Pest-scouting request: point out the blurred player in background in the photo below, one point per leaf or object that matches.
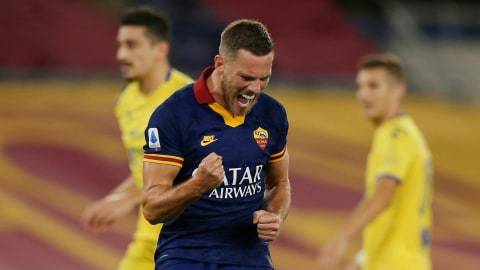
(395, 213)
(216, 164)
(143, 48)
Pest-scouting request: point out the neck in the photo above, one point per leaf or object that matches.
(154, 78)
(392, 113)
(214, 86)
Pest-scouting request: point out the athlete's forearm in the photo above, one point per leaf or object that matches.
(126, 190)
(162, 203)
(277, 199)
(369, 208)
(127, 185)
(366, 211)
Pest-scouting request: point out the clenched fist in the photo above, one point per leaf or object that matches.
(268, 224)
(210, 172)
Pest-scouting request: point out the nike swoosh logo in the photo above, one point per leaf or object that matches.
(205, 143)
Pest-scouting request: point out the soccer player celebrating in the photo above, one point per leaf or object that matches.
(395, 213)
(143, 46)
(216, 164)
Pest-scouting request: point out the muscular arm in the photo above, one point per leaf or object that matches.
(277, 199)
(163, 201)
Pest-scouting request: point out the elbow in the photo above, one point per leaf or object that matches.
(153, 213)
(150, 216)
(382, 203)
(149, 211)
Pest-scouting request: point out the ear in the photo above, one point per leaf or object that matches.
(163, 49)
(402, 90)
(218, 61)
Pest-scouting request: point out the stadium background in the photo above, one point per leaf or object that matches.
(60, 147)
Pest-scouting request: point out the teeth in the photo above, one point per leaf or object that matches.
(248, 97)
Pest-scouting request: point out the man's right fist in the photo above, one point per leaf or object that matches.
(210, 172)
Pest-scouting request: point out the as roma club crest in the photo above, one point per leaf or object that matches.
(261, 137)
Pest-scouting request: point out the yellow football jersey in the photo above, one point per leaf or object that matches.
(399, 238)
(133, 110)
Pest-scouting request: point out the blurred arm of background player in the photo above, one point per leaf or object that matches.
(277, 200)
(366, 211)
(120, 202)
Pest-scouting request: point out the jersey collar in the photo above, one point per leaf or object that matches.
(202, 95)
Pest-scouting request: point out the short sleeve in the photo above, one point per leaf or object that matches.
(163, 138)
(395, 156)
(280, 147)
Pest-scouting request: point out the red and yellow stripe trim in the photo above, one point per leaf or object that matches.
(278, 156)
(163, 159)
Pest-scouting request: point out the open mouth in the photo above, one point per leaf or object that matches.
(366, 105)
(244, 100)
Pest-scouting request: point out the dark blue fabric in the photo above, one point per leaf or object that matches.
(196, 265)
(218, 228)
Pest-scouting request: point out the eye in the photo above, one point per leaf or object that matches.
(247, 78)
(373, 85)
(264, 79)
(131, 44)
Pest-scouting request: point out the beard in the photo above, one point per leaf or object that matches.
(230, 98)
(228, 95)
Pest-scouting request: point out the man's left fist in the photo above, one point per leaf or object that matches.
(268, 224)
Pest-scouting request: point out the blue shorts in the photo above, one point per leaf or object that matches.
(178, 264)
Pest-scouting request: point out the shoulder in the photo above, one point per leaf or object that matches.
(128, 92)
(183, 96)
(397, 131)
(180, 77)
(271, 115)
(270, 107)
(176, 81)
(177, 104)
